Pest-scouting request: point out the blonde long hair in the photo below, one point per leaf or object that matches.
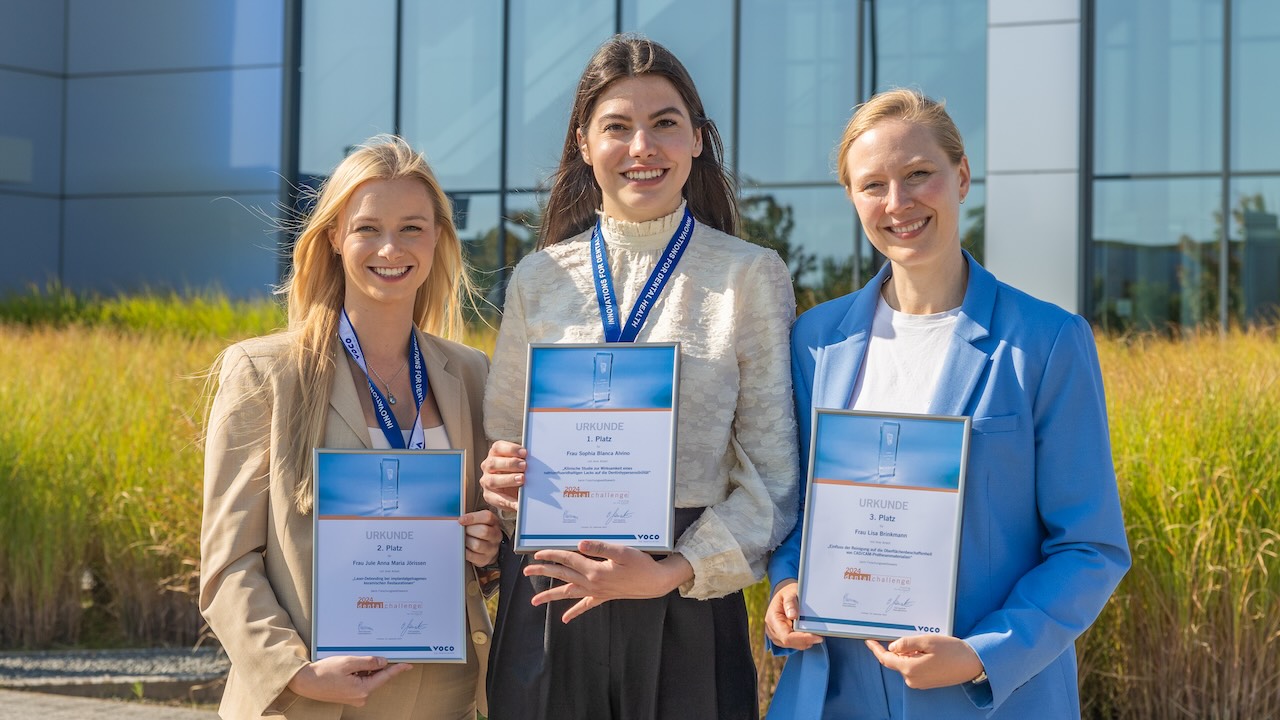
(316, 286)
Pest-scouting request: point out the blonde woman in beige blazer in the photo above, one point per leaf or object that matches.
(380, 250)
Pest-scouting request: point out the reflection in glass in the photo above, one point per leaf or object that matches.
(348, 77)
(701, 35)
(798, 87)
(1155, 253)
(551, 41)
(946, 59)
(1158, 86)
(1255, 104)
(522, 219)
(973, 222)
(812, 229)
(451, 88)
(1255, 249)
(476, 218)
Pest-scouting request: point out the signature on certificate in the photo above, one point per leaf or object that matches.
(412, 627)
(617, 515)
(898, 603)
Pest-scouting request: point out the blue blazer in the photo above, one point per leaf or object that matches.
(1043, 542)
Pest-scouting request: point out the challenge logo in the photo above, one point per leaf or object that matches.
(575, 491)
(856, 574)
(368, 602)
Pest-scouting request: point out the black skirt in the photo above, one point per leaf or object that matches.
(660, 659)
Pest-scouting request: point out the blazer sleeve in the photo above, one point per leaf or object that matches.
(1084, 551)
(236, 597)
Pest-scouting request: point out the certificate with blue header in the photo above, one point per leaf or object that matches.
(388, 565)
(600, 429)
(881, 536)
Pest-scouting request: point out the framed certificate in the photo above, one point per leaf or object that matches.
(881, 537)
(388, 566)
(600, 429)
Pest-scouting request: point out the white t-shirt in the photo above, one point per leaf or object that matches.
(904, 359)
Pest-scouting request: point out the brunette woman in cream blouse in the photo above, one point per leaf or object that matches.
(378, 260)
(611, 632)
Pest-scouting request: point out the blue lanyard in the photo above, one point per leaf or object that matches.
(606, 297)
(417, 377)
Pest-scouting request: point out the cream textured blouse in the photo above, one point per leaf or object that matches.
(730, 306)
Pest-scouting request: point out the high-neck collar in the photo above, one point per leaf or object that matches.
(647, 235)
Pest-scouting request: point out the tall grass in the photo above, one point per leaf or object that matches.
(100, 467)
(100, 477)
(1194, 629)
(99, 485)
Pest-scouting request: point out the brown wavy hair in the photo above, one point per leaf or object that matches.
(575, 196)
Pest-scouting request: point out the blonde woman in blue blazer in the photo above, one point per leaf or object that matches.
(1043, 543)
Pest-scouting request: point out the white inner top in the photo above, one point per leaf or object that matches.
(435, 437)
(904, 359)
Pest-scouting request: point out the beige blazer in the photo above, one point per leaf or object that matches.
(255, 547)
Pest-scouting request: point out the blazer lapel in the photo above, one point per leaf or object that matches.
(837, 365)
(344, 400)
(447, 389)
(966, 362)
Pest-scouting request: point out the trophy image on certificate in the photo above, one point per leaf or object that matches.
(600, 428)
(388, 566)
(881, 537)
(390, 479)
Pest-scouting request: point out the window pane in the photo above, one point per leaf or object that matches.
(1255, 250)
(31, 257)
(131, 35)
(451, 88)
(32, 35)
(797, 89)
(31, 138)
(476, 219)
(551, 41)
(186, 244)
(1158, 87)
(522, 219)
(219, 132)
(1255, 104)
(946, 58)
(701, 35)
(1155, 253)
(973, 222)
(812, 229)
(348, 78)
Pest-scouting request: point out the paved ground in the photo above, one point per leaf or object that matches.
(15, 704)
(77, 684)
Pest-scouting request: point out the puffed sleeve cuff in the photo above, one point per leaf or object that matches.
(719, 566)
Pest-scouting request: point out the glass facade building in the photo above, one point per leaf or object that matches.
(1122, 151)
(1186, 164)
(485, 89)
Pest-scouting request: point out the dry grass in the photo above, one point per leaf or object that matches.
(1194, 629)
(100, 474)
